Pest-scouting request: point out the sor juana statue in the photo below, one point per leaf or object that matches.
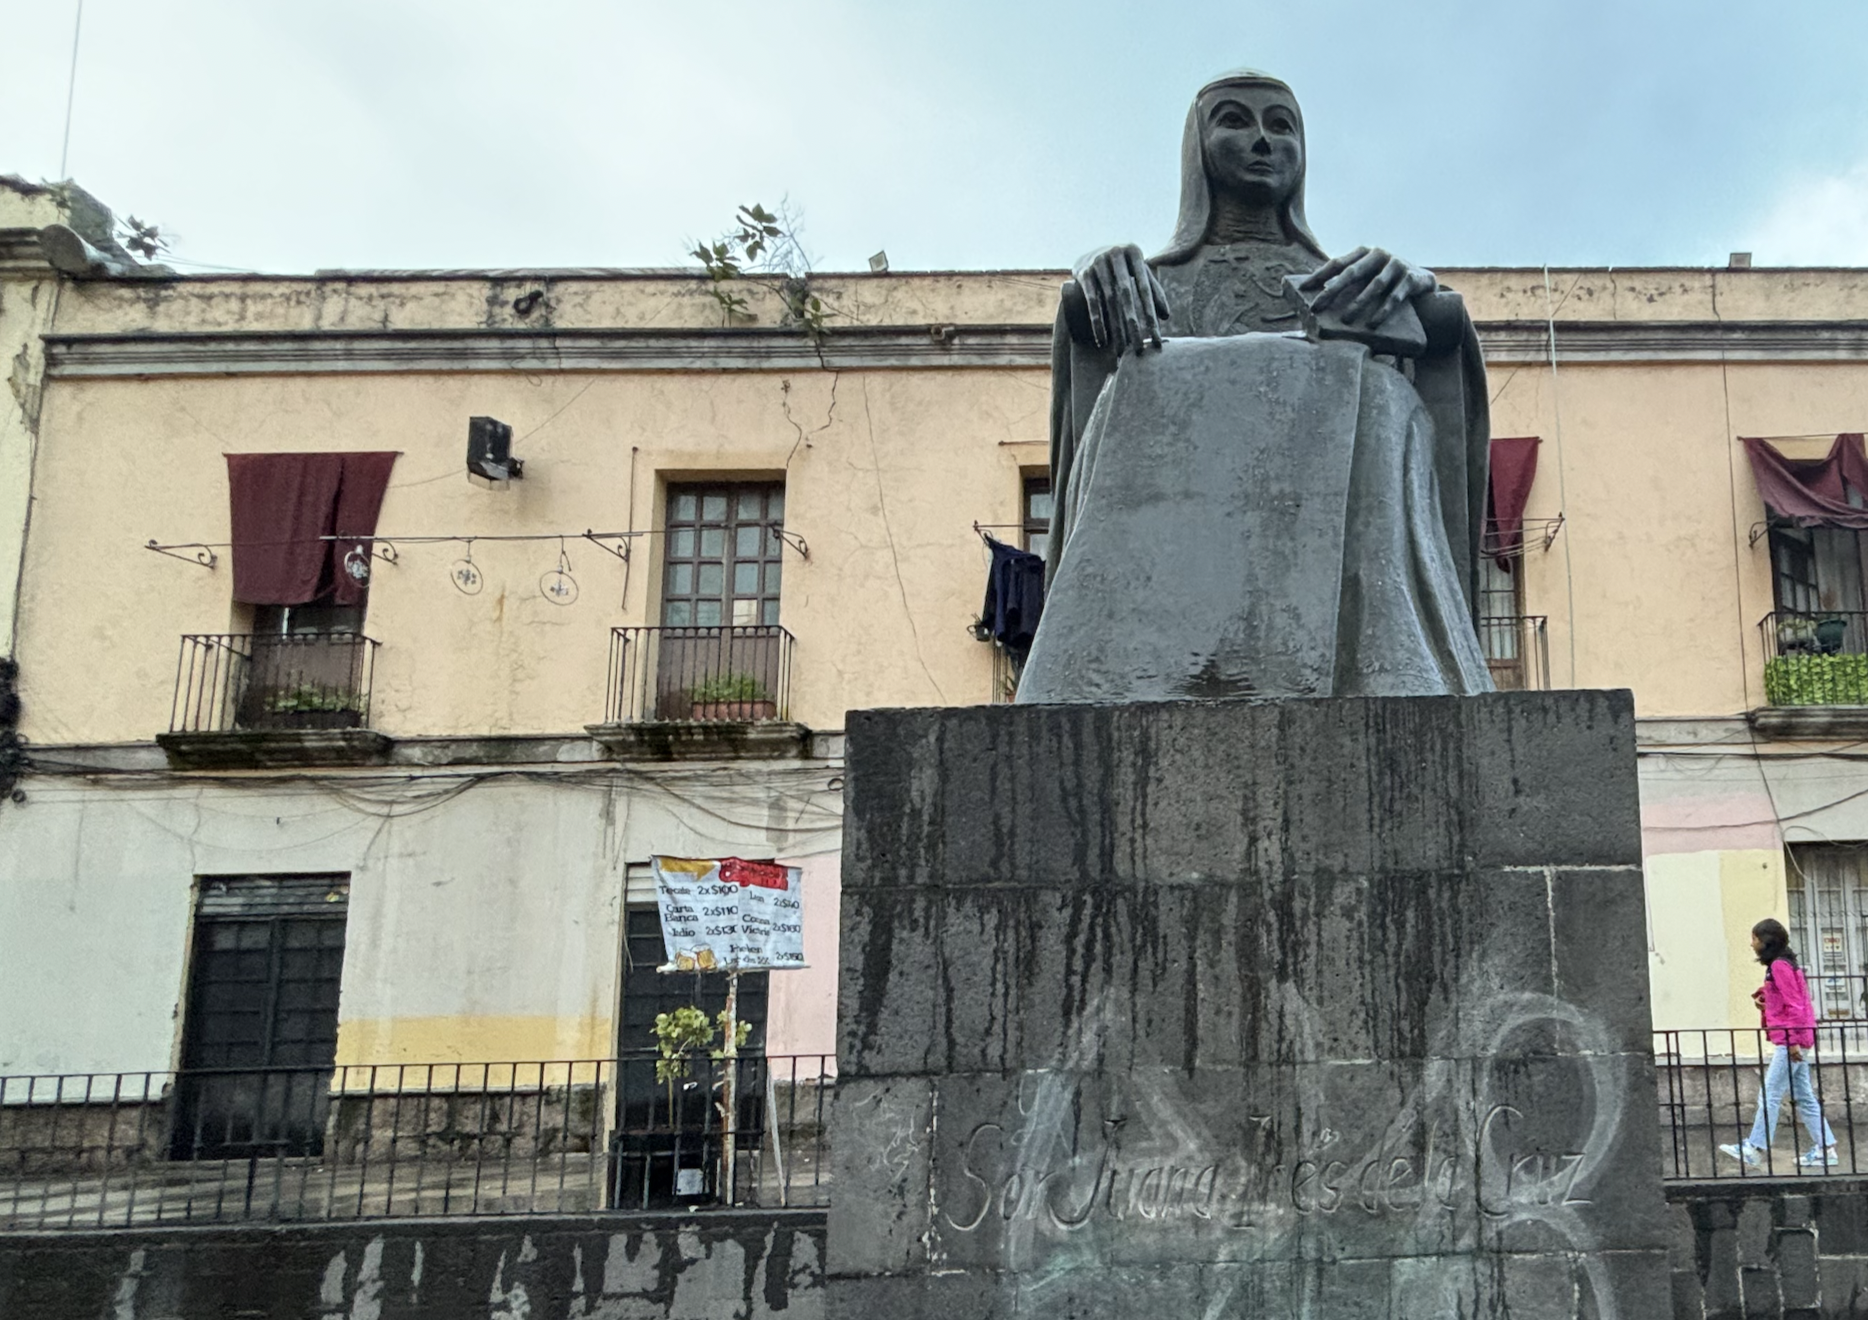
(1269, 465)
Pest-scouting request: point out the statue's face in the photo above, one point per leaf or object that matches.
(1253, 146)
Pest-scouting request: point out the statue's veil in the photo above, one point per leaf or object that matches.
(1196, 198)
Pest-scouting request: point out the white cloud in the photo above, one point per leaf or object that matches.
(1819, 221)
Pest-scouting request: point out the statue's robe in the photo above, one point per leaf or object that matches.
(1245, 512)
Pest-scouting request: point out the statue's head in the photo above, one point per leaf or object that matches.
(1251, 141)
(1245, 139)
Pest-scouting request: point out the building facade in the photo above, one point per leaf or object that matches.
(394, 804)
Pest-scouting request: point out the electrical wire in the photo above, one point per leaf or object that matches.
(71, 93)
(387, 797)
(1563, 499)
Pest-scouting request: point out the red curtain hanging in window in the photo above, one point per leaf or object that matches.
(1813, 492)
(1514, 467)
(283, 504)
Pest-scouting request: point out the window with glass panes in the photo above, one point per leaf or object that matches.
(723, 555)
(1037, 520)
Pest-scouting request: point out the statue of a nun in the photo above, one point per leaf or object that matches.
(1269, 467)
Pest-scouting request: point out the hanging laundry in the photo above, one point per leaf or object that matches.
(1014, 598)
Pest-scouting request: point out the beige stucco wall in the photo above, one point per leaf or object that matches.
(884, 493)
(1651, 584)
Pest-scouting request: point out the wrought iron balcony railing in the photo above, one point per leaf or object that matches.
(1517, 651)
(699, 675)
(1815, 659)
(229, 681)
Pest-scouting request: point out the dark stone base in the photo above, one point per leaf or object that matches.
(760, 1266)
(1770, 1248)
(1327, 1009)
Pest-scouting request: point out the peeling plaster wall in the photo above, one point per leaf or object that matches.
(28, 299)
(762, 1266)
(483, 918)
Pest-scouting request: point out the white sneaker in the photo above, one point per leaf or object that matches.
(1818, 1158)
(1744, 1152)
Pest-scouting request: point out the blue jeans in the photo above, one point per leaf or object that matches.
(1784, 1075)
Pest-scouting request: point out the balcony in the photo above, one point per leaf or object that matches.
(1517, 651)
(1815, 674)
(1815, 659)
(246, 700)
(691, 692)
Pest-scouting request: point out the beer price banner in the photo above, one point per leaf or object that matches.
(727, 914)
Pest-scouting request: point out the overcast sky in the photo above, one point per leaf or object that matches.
(969, 133)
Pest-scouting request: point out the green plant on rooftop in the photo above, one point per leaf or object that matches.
(763, 249)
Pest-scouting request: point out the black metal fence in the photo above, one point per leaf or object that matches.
(105, 1150)
(1711, 1085)
(231, 681)
(1517, 651)
(1815, 659)
(1841, 997)
(699, 675)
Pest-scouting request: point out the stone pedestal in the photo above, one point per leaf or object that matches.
(1331, 1009)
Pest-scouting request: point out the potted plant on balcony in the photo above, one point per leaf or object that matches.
(308, 706)
(731, 697)
(1796, 634)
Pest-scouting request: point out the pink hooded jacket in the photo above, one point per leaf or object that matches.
(1789, 1016)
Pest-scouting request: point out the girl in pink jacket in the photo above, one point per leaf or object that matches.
(1790, 1025)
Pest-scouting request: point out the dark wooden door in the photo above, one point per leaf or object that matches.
(666, 1129)
(260, 1032)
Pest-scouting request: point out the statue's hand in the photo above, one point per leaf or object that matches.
(1369, 284)
(1124, 300)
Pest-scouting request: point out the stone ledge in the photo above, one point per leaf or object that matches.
(271, 749)
(887, 347)
(1766, 1185)
(724, 740)
(1814, 723)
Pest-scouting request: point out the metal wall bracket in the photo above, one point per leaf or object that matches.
(202, 555)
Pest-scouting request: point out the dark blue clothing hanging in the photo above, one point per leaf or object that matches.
(1014, 598)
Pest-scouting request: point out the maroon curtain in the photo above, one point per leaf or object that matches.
(359, 499)
(283, 504)
(1514, 467)
(1813, 492)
